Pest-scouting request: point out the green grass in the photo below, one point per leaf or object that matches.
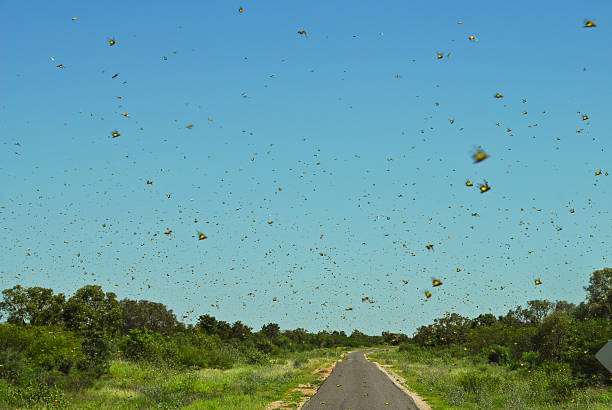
(447, 382)
(144, 386)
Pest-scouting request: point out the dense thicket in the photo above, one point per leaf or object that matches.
(541, 334)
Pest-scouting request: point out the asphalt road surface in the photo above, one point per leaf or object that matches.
(357, 384)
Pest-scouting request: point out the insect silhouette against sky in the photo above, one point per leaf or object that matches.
(484, 187)
(479, 156)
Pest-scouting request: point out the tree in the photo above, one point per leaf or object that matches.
(147, 315)
(271, 330)
(484, 320)
(207, 324)
(512, 318)
(297, 336)
(224, 330)
(240, 331)
(587, 337)
(389, 338)
(358, 335)
(211, 326)
(92, 309)
(533, 315)
(35, 305)
(565, 307)
(537, 310)
(600, 294)
(452, 328)
(552, 336)
(337, 338)
(96, 316)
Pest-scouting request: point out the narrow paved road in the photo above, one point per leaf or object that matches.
(357, 384)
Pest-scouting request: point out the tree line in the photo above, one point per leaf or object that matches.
(53, 340)
(64, 341)
(543, 334)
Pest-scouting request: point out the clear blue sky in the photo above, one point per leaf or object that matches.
(342, 139)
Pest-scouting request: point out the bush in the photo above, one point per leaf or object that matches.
(186, 350)
(529, 359)
(46, 355)
(97, 350)
(561, 383)
(13, 365)
(498, 354)
(190, 356)
(588, 336)
(220, 360)
(254, 356)
(142, 345)
(303, 347)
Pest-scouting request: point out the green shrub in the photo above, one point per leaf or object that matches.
(45, 347)
(13, 365)
(303, 347)
(587, 337)
(265, 346)
(560, 382)
(46, 355)
(142, 345)
(498, 354)
(254, 356)
(529, 359)
(189, 356)
(221, 358)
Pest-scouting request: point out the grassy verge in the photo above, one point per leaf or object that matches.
(448, 382)
(141, 385)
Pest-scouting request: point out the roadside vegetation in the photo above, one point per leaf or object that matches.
(145, 385)
(92, 351)
(538, 356)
